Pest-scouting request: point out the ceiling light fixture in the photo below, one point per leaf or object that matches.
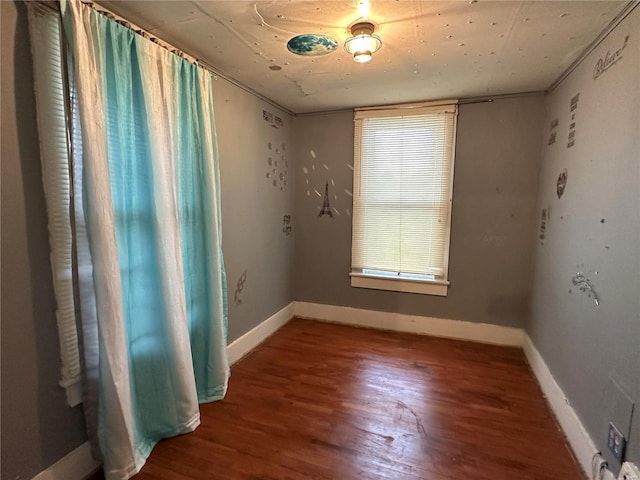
(363, 43)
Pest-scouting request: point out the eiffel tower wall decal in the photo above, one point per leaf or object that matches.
(326, 206)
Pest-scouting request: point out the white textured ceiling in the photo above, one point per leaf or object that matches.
(431, 50)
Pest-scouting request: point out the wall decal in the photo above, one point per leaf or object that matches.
(552, 134)
(326, 206)
(267, 116)
(546, 214)
(336, 199)
(572, 126)
(277, 167)
(584, 284)
(609, 60)
(561, 184)
(312, 44)
(286, 225)
(237, 297)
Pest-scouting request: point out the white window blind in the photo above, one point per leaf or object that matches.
(403, 171)
(44, 26)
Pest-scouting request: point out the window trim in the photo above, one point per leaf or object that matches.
(440, 285)
(52, 115)
(436, 287)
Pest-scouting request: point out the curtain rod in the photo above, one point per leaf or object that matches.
(140, 31)
(181, 53)
(462, 101)
(217, 73)
(410, 105)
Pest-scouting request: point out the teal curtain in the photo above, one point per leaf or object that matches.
(148, 168)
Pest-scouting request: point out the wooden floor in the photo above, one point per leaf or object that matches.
(322, 401)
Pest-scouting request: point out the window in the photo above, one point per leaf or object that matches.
(403, 182)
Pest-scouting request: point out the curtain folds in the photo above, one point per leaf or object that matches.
(154, 295)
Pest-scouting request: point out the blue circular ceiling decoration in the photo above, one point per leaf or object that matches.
(312, 44)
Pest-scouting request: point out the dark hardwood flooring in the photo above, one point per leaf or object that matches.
(322, 401)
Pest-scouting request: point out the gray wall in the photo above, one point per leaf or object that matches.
(594, 228)
(38, 427)
(493, 217)
(592, 351)
(253, 207)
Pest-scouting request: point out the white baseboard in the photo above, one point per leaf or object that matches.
(78, 465)
(437, 327)
(254, 337)
(577, 436)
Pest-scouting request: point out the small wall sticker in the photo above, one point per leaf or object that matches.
(237, 297)
(286, 225)
(610, 59)
(561, 183)
(546, 214)
(326, 206)
(277, 166)
(571, 140)
(584, 285)
(552, 131)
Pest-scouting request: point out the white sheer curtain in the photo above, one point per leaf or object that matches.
(154, 293)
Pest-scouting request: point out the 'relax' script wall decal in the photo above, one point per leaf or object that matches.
(609, 60)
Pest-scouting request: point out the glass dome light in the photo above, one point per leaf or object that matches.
(362, 44)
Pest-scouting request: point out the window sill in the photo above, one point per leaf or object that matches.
(425, 287)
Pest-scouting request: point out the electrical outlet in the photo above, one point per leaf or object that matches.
(616, 442)
(629, 472)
